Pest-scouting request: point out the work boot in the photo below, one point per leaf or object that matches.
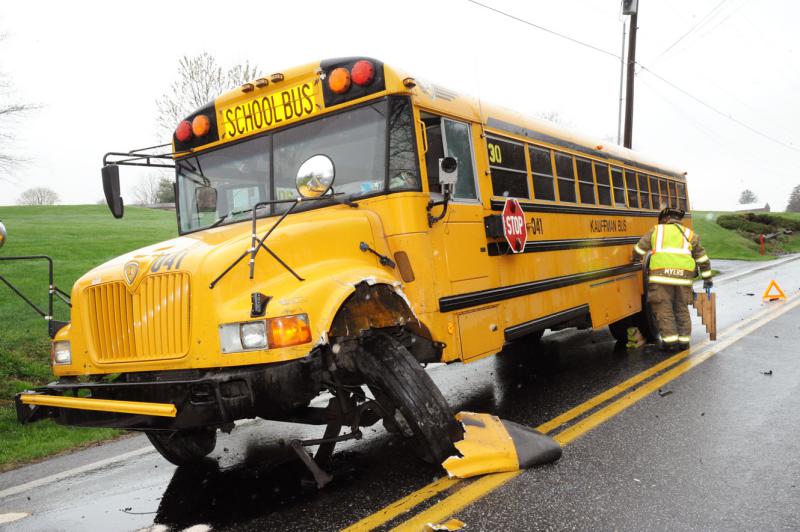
(683, 346)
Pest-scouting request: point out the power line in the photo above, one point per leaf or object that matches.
(557, 34)
(721, 113)
(649, 71)
(707, 18)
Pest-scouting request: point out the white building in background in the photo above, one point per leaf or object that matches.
(752, 207)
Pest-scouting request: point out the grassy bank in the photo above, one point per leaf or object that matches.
(723, 243)
(78, 238)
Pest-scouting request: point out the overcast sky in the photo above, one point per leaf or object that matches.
(96, 71)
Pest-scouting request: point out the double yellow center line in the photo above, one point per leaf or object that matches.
(660, 375)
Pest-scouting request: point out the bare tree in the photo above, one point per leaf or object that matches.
(199, 80)
(146, 192)
(38, 196)
(10, 111)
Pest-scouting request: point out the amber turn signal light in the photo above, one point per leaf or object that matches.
(201, 125)
(288, 330)
(339, 80)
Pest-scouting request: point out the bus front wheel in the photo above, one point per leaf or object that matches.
(411, 401)
(183, 447)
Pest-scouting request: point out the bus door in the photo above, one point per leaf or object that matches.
(459, 239)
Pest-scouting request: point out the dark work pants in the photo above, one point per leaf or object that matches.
(670, 306)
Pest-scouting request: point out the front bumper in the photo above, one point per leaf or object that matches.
(176, 400)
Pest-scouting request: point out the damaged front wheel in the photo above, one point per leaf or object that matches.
(183, 447)
(409, 398)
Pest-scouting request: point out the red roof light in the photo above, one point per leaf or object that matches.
(363, 72)
(184, 131)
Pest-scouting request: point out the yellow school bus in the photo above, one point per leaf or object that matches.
(341, 223)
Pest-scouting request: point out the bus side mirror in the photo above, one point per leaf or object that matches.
(111, 189)
(448, 173)
(3, 234)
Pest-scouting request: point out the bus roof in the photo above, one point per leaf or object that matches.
(496, 119)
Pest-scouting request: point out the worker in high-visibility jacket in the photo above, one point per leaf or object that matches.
(677, 253)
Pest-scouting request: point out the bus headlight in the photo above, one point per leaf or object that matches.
(253, 335)
(243, 336)
(283, 331)
(62, 353)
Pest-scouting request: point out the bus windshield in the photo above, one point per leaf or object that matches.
(222, 186)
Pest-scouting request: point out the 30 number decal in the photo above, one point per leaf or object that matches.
(495, 154)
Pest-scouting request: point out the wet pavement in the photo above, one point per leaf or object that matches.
(719, 452)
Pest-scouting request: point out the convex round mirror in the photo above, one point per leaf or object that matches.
(315, 176)
(3, 234)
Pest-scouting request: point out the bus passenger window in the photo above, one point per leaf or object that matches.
(655, 201)
(664, 196)
(603, 185)
(619, 186)
(566, 177)
(402, 155)
(585, 180)
(507, 166)
(645, 195)
(542, 170)
(458, 144)
(633, 192)
(673, 198)
(682, 196)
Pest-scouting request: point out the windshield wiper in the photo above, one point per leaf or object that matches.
(226, 216)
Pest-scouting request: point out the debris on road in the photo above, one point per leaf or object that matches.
(450, 524)
(493, 445)
(664, 393)
(13, 516)
(635, 338)
(768, 372)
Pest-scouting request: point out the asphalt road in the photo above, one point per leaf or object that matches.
(717, 448)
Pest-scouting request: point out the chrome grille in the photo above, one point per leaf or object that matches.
(151, 323)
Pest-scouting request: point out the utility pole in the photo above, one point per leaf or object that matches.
(621, 77)
(630, 7)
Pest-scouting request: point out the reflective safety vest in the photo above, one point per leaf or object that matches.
(672, 250)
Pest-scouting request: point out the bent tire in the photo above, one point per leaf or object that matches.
(401, 386)
(184, 447)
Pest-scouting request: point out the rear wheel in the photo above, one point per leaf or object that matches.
(412, 403)
(184, 447)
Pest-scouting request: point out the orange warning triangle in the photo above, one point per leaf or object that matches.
(773, 297)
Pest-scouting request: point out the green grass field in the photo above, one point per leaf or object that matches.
(78, 238)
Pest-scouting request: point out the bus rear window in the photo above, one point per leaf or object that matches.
(682, 196)
(585, 181)
(507, 165)
(645, 195)
(542, 169)
(603, 184)
(619, 186)
(633, 192)
(566, 177)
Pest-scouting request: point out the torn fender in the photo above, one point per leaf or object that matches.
(494, 445)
